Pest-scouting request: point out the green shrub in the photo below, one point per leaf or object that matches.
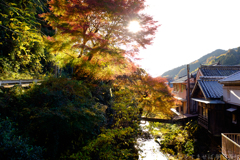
(175, 139)
(111, 144)
(13, 146)
(61, 115)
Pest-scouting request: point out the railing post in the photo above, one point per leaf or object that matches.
(230, 145)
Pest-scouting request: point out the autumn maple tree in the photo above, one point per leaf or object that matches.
(96, 114)
(151, 95)
(93, 36)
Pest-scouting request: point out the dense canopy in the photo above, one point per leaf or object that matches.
(93, 114)
(94, 35)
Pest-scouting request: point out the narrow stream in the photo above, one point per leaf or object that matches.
(151, 150)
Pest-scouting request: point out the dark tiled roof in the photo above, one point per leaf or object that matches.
(219, 70)
(211, 88)
(213, 77)
(232, 78)
(194, 74)
(180, 80)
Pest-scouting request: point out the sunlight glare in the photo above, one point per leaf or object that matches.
(134, 26)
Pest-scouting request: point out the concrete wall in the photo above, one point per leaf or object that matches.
(231, 94)
(179, 93)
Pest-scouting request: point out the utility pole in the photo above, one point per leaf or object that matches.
(188, 90)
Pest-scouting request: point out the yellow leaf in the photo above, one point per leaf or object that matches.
(13, 4)
(12, 25)
(4, 15)
(11, 13)
(13, 19)
(23, 48)
(27, 28)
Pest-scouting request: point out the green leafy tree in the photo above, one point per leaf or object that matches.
(112, 144)
(60, 115)
(231, 57)
(68, 118)
(175, 139)
(22, 50)
(14, 146)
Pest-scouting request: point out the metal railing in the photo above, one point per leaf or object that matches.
(203, 121)
(23, 83)
(231, 145)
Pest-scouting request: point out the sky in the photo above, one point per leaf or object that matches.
(189, 30)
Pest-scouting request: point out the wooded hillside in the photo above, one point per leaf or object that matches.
(230, 57)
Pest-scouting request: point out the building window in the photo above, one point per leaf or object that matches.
(205, 112)
(175, 87)
(182, 88)
(234, 118)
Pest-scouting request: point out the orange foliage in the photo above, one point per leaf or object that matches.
(153, 94)
(89, 34)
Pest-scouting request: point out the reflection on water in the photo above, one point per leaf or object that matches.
(151, 150)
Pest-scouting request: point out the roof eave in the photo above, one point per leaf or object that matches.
(209, 101)
(229, 82)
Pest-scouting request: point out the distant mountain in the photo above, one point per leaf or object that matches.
(230, 57)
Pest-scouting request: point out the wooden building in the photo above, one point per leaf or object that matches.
(231, 95)
(208, 94)
(180, 92)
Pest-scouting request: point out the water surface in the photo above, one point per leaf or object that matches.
(151, 150)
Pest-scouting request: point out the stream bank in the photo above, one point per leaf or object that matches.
(150, 149)
(189, 141)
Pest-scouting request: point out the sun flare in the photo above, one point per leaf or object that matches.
(134, 26)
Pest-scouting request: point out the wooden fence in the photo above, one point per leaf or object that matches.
(231, 145)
